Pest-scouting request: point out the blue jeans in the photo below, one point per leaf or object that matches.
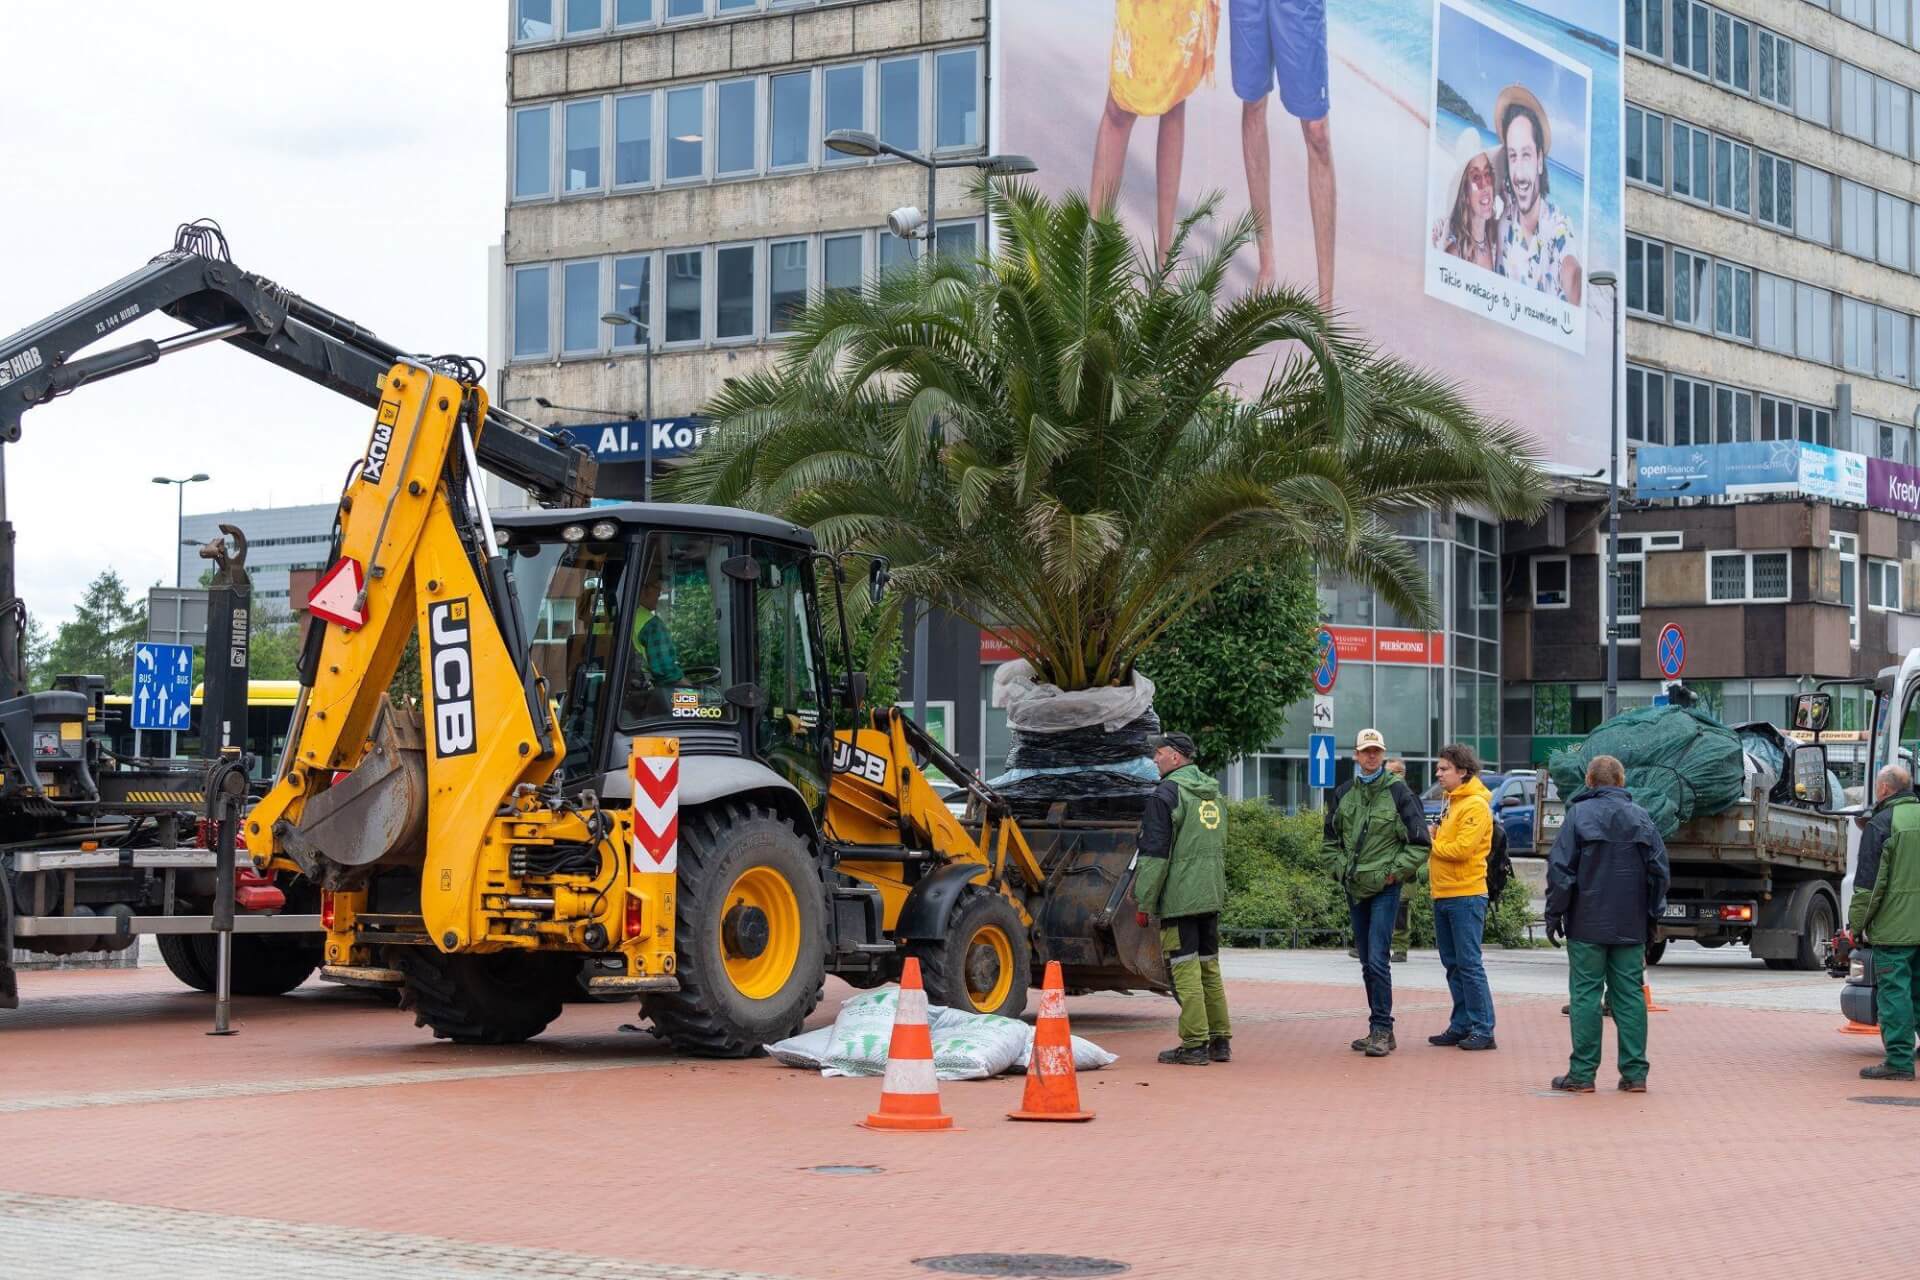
(1457, 926)
(1373, 939)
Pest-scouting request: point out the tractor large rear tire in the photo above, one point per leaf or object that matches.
(502, 997)
(983, 965)
(750, 934)
(263, 965)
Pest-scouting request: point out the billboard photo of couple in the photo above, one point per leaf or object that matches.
(1507, 177)
(1408, 160)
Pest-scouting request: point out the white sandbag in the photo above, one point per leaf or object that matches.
(978, 1046)
(863, 1030)
(1035, 707)
(808, 1049)
(1087, 1056)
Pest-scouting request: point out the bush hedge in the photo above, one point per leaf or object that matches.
(1276, 879)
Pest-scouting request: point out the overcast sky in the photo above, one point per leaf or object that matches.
(352, 151)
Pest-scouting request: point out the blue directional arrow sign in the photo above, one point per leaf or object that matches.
(1320, 760)
(162, 686)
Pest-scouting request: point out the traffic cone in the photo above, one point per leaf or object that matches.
(1859, 1029)
(1647, 992)
(1053, 1092)
(910, 1094)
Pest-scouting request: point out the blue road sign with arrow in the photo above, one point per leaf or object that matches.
(162, 686)
(1320, 760)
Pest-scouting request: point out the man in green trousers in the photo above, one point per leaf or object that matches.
(1606, 885)
(1181, 877)
(1885, 915)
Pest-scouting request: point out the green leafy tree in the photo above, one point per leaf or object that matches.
(1227, 670)
(35, 645)
(1045, 438)
(99, 638)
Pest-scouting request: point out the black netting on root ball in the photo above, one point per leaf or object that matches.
(1089, 748)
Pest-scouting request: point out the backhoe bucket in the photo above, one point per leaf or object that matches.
(1086, 916)
(376, 816)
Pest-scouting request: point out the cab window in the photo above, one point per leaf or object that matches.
(679, 662)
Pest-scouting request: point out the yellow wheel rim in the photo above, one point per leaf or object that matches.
(988, 968)
(760, 932)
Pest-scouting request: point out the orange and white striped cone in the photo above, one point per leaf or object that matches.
(1053, 1091)
(910, 1094)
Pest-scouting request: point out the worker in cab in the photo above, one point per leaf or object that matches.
(1462, 842)
(653, 648)
(1885, 915)
(1181, 879)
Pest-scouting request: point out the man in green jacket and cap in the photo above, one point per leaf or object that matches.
(1885, 915)
(1180, 876)
(1375, 841)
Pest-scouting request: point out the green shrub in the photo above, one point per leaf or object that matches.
(1506, 923)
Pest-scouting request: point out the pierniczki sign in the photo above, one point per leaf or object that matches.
(1893, 486)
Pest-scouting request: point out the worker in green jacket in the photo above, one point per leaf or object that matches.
(1887, 919)
(1180, 877)
(1374, 843)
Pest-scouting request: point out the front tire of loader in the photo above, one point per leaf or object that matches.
(502, 997)
(750, 933)
(983, 965)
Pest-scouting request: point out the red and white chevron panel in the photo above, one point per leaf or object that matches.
(656, 813)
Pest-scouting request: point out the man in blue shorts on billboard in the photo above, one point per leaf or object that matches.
(1285, 42)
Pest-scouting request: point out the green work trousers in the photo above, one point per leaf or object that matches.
(1895, 970)
(1192, 945)
(1618, 972)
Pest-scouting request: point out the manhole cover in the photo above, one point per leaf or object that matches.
(1020, 1264)
(1885, 1100)
(846, 1170)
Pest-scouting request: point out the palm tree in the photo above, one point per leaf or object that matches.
(1046, 441)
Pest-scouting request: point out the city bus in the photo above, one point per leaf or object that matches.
(270, 706)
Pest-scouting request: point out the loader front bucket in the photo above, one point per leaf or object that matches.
(1085, 917)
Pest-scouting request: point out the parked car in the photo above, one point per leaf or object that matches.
(1513, 804)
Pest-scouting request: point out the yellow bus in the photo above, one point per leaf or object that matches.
(270, 706)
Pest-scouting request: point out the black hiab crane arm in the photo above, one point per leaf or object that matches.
(196, 282)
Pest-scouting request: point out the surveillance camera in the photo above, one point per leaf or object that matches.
(906, 223)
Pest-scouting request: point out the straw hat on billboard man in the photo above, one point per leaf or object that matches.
(1518, 95)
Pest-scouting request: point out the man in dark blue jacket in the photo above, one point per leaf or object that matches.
(1606, 885)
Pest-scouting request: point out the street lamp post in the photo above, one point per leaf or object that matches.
(1610, 705)
(858, 142)
(180, 515)
(631, 316)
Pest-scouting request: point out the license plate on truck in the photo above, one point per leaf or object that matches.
(1675, 911)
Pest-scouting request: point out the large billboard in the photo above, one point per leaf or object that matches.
(1447, 173)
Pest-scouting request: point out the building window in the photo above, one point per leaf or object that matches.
(1692, 412)
(786, 284)
(1646, 277)
(629, 12)
(632, 139)
(1732, 416)
(686, 134)
(1856, 102)
(733, 127)
(633, 296)
(1856, 218)
(583, 145)
(1813, 203)
(1856, 335)
(1692, 176)
(900, 103)
(1646, 27)
(1892, 344)
(1646, 406)
(1747, 577)
(733, 292)
(1893, 230)
(1550, 583)
(1812, 323)
(1895, 443)
(1690, 273)
(841, 265)
(1733, 301)
(1848, 545)
(1813, 426)
(1813, 85)
(583, 16)
(530, 312)
(1776, 419)
(532, 152)
(1646, 147)
(1773, 61)
(1732, 176)
(1883, 586)
(580, 308)
(1691, 23)
(956, 107)
(1774, 329)
(686, 297)
(843, 102)
(957, 240)
(1890, 18)
(1773, 189)
(1890, 107)
(1731, 38)
(533, 21)
(789, 120)
(685, 9)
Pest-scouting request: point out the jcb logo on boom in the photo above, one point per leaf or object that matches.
(848, 758)
(450, 661)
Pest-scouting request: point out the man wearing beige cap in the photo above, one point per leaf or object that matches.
(1375, 840)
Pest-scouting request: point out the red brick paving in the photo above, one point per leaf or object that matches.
(1298, 1159)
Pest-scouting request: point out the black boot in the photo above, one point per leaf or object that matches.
(1186, 1055)
(1220, 1049)
(1881, 1071)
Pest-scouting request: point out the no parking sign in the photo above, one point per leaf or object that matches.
(1672, 651)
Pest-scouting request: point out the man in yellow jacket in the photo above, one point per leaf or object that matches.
(1458, 869)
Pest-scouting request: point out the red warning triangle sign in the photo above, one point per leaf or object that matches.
(333, 597)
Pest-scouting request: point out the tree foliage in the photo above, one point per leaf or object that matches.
(1226, 671)
(98, 639)
(1044, 442)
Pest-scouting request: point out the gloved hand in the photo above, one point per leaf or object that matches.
(1142, 919)
(1556, 929)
